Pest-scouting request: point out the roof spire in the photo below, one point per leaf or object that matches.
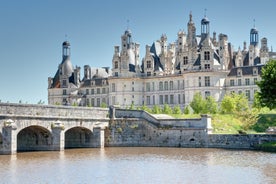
(205, 11)
(254, 21)
(191, 16)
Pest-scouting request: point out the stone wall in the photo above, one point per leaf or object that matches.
(138, 128)
(139, 132)
(52, 111)
(236, 141)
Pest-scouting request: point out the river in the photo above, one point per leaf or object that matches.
(139, 165)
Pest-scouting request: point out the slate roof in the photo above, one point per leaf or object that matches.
(246, 70)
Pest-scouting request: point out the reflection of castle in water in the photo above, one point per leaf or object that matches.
(168, 74)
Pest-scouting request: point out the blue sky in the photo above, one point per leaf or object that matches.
(32, 32)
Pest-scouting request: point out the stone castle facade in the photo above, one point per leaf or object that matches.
(169, 73)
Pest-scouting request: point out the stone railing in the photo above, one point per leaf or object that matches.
(52, 111)
(198, 123)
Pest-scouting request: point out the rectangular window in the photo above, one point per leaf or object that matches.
(92, 102)
(171, 85)
(166, 85)
(87, 102)
(64, 83)
(116, 74)
(103, 91)
(185, 60)
(247, 94)
(148, 100)
(239, 82)
(166, 99)
(98, 102)
(98, 90)
(207, 55)
(232, 82)
(87, 91)
(148, 73)
(171, 99)
(255, 81)
(199, 81)
(116, 66)
(207, 66)
(160, 86)
(113, 87)
(183, 99)
(92, 92)
(178, 85)
(207, 81)
(179, 99)
(153, 86)
(207, 94)
(153, 100)
(64, 92)
(148, 64)
(132, 88)
(161, 99)
(247, 82)
(147, 86)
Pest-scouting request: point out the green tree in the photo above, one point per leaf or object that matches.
(167, 109)
(198, 103)
(187, 110)
(267, 85)
(177, 109)
(156, 109)
(103, 105)
(233, 103)
(131, 107)
(211, 105)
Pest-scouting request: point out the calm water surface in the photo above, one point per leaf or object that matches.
(139, 165)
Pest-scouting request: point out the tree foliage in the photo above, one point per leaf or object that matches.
(156, 109)
(198, 103)
(177, 110)
(201, 105)
(267, 85)
(233, 103)
(167, 109)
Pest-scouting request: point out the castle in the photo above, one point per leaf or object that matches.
(170, 73)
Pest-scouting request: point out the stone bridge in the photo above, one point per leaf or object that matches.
(26, 127)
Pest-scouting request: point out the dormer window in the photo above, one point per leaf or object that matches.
(255, 71)
(185, 60)
(207, 55)
(116, 65)
(148, 64)
(239, 73)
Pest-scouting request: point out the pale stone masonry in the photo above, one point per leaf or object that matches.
(168, 73)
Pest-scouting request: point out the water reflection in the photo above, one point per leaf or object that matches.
(139, 165)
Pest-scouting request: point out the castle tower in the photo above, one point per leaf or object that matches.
(66, 69)
(253, 47)
(126, 62)
(205, 28)
(191, 37)
(264, 56)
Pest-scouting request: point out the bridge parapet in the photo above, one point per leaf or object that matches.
(52, 111)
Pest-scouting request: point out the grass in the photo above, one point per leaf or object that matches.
(231, 124)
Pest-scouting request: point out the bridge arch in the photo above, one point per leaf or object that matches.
(34, 138)
(78, 137)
